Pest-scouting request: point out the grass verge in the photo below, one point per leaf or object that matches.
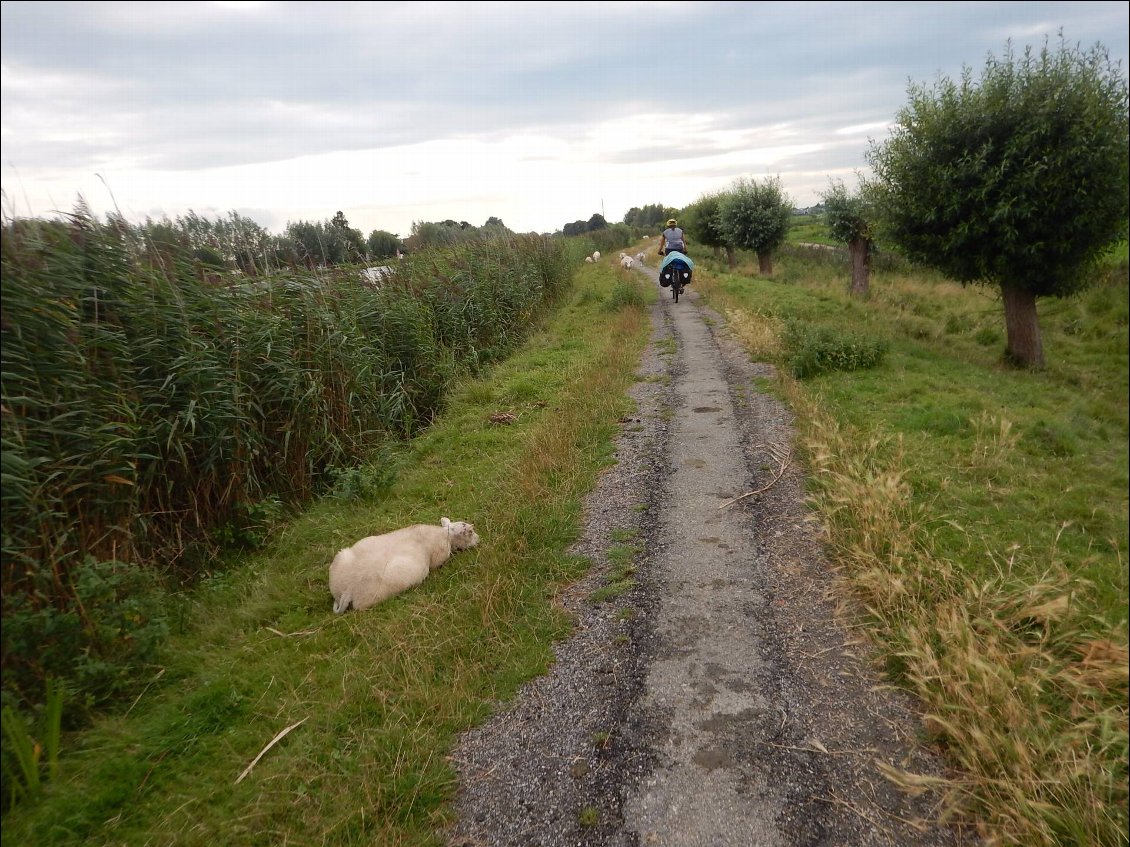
(374, 700)
(979, 514)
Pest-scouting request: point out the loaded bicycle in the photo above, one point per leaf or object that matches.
(676, 269)
(675, 272)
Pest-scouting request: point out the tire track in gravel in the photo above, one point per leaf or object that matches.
(719, 702)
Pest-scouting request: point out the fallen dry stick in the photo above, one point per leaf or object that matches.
(784, 462)
(262, 752)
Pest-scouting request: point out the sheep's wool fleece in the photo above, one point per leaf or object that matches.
(381, 566)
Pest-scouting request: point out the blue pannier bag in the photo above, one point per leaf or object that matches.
(675, 263)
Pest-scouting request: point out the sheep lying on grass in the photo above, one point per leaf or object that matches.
(382, 566)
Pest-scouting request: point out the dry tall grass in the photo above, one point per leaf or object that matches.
(1024, 698)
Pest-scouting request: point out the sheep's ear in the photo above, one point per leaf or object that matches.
(444, 522)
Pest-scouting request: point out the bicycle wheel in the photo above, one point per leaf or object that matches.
(676, 287)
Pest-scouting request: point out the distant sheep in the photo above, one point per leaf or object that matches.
(596, 256)
(639, 256)
(382, 566)
(588, 259)
(376, 275)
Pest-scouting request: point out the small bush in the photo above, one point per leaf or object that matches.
(95, 642)
(817, 349)
(367, 481)
(251, 524)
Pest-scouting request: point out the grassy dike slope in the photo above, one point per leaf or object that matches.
(381, 695)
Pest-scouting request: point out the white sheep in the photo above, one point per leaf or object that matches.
(639, 256)
(376, 275)
(382, 566)
(626, 263)
(588, 259)
(596, 256)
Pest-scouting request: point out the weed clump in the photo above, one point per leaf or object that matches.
(815, 350)
(625, 293)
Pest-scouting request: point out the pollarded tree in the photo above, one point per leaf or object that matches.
(849, 218)
(1018, 181)
(755, 216)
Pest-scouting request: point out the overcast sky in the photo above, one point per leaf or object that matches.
(537, 113)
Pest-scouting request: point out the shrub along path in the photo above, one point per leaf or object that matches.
(710, 697)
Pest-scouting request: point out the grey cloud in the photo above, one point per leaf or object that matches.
(185, 85)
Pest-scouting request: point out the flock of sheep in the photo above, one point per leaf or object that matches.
(626, 262)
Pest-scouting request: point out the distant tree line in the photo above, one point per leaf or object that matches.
(449, 233)
(593, 224)
(653, 216)
(237, 243)
(650, 217)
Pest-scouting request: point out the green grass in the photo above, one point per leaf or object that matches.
(809, 229)
(383, 693)
(622, 568)
(980, 513)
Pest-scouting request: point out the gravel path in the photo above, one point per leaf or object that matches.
(719, 701)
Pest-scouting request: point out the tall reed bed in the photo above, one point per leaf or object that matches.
(152, 416)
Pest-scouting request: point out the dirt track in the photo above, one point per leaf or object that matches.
(719, 702)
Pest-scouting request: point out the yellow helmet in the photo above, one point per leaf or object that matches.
(672, 222)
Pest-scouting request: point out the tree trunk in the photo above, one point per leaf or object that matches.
(765, 263)
(860, 267)
(1023, 327)
(730, 257)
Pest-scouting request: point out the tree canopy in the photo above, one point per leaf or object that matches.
(756, 216)
(702, 220)
(849, 218)
(1018, 179)
(383, 245)
(651, 216)
(593, 224)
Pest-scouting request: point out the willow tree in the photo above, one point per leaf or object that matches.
(849, 219)
(756, 216)
(1018, 180)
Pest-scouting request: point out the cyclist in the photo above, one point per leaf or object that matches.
(673, 239)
